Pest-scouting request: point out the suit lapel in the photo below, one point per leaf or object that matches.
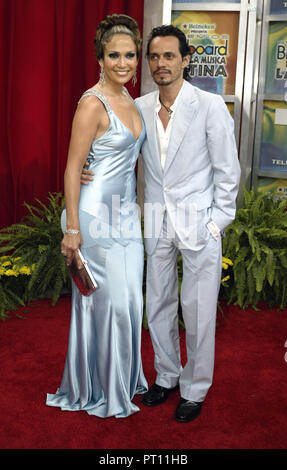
(151, 130)
(185, 112)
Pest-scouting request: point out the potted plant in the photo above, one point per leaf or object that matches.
(256, 241)
(33, 245)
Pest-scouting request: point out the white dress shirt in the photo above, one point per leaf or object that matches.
(164, 134)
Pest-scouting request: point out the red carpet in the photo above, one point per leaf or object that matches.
(245, 408)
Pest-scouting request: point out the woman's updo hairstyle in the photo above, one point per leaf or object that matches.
(116, 24)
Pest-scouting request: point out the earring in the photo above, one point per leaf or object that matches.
(134, 79)
(102, 77)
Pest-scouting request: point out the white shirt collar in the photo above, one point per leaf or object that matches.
(173, 106)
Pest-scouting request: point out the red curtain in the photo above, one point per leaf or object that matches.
(46, 61)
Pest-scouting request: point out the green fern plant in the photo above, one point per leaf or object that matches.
(256, 241)
(36, 240)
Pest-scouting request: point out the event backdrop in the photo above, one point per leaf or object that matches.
(213, 37)
(46, 61)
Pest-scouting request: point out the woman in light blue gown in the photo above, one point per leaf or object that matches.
(103, 368)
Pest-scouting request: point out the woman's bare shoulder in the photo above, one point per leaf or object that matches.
(91, 103)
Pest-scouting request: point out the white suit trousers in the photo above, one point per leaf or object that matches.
(199, 295)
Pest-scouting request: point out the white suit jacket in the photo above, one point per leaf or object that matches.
(201, 176)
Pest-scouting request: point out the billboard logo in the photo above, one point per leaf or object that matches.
(210, 49)
(281, 51)
(281, 57)
(208, 61)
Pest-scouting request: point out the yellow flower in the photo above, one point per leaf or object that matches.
(6, 263)
(25, 270)
(11, 272)
(225, 279)
(227, 261)
(13, 267)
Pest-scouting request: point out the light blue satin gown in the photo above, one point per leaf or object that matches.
(103, 369)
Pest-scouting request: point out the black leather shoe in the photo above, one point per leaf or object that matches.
(157, 395)
(187, 410)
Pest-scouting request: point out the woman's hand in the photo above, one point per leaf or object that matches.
(69, 248)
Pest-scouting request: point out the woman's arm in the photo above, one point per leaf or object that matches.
(84, 130)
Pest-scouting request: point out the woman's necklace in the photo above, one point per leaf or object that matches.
(166, 108)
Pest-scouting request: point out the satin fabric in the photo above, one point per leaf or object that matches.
(103, 369)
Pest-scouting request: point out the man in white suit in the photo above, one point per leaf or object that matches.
(191, 174)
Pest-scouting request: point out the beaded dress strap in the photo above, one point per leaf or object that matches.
(98, 94)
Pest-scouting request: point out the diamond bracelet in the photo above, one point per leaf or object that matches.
(71, 231)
